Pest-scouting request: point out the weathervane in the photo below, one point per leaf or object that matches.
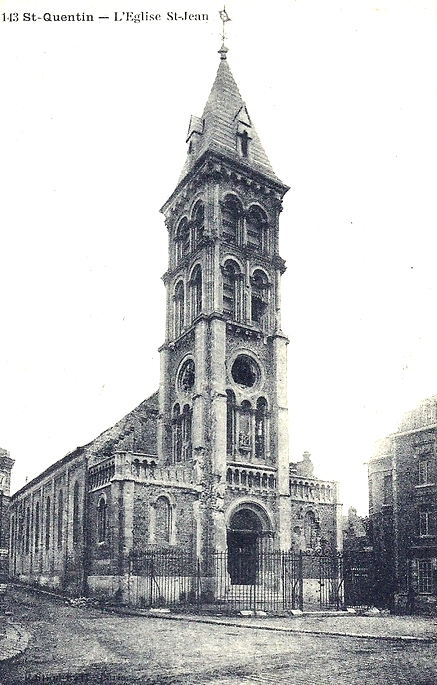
(224, 17)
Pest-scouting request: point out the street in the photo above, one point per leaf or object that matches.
(86, 641)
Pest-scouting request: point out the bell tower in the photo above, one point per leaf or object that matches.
(223, 382)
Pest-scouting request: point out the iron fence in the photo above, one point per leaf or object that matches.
(247, 579)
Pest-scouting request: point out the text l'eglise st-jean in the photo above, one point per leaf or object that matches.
(135, 17)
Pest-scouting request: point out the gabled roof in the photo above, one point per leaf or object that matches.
(224, 119)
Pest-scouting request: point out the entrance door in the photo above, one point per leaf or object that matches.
(243, 538)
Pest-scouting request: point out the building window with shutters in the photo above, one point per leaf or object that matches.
(423, 471)
(424, 581)
(231, 290)
(231, 221)
(424, 521)
(256, 230)
(259, 298)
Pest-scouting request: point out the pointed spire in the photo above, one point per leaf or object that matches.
(225, 126)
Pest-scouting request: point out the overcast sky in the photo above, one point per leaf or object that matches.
(93, 125)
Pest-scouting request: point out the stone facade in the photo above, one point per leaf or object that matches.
(402, 508)
(203, 465)
(6, 464)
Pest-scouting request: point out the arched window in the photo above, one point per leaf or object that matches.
(230, 423)
(310, 530)
(231, 216)
(182, 240)
(13, 535)
(245, 436)
(27, 530)
(177, 434)
(186, 433)
(259, 296)
(76, 518)
(231, 282)
(162, 520)
(179, 301)
(102, 520)
(48, 519)
(196, 292)
(60, 516)
(199, 224)
(260, 428)
(36, 527)
(256, 226)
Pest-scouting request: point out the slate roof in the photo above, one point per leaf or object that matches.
(224, 118)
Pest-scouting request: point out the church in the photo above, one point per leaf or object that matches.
(203, 464)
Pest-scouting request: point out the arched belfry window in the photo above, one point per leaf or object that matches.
(179, 309)
(182, 239)
(231, 290)
(261, 428)
(102, 520)
(199, 224)
(256, 227)
(231, 427)
(259, 299)
(196, 292)
(231, 217)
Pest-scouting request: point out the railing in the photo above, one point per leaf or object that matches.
(141, 468)
(101, 473)
(241, 579)
(244, 477)
(314, 490)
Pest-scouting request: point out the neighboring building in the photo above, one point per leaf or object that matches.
(202, 466)
(356, 532)
(6, 464)
(403, 509)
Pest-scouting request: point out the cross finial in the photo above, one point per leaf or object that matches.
(224, 17)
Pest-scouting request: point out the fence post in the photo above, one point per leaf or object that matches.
(198, 583)
(300, 574)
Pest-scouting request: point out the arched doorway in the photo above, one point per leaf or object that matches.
(244, 533)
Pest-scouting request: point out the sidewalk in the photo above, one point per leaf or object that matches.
(383, 627)
(13, 639)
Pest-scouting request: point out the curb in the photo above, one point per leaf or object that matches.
(272, 628)
(130, 611)
(15, 642)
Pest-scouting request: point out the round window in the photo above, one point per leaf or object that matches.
(245, 371)
(186, 376)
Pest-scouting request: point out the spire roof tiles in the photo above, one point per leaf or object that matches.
(225, 119)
